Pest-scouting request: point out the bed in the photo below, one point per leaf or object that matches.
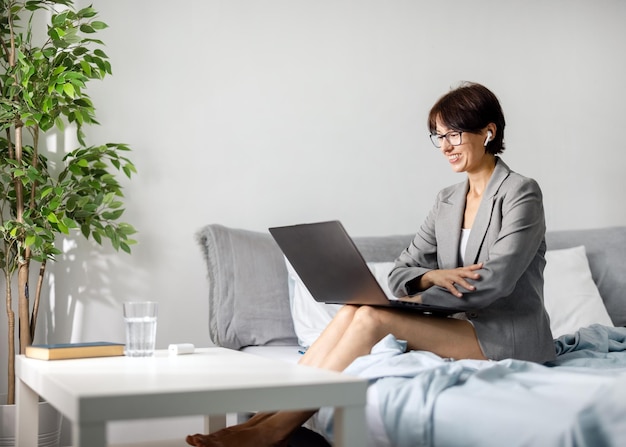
(257, 303)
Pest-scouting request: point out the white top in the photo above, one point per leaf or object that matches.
(465, 234)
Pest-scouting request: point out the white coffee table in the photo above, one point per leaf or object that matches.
(211, 382)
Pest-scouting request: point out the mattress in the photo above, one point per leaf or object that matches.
(418, 398)
(289, 354)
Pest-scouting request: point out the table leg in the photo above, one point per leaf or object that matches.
(349, 427)
(214, 423)
(27, 421)
(89, 435)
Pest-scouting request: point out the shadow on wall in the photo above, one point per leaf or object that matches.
(71, 303)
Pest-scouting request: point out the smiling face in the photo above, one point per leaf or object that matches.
(469, 156)
(471, 108)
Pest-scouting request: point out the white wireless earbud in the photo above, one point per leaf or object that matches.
(488, 139)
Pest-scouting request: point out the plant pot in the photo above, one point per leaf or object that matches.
(49, 425)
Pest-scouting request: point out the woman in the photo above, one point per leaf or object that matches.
(481, 249)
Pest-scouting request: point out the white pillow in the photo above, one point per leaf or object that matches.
(571, 297)
(310, 318)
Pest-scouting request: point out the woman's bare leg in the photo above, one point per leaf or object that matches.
(361, 328)
(351, 334)
(330, 336)
(285, 422)
(446, 337)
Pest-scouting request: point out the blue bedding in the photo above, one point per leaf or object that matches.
(424, 400)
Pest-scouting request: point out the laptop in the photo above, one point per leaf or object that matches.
(334, 271)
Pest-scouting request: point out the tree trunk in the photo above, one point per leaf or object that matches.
(35, 312)
(23, 306)
(11, 324)
(23, 309)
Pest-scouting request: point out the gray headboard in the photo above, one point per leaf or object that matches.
(606, 251)
(248, 291)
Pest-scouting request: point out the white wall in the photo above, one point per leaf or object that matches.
(257, 113)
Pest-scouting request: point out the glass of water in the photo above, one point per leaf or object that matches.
(141, 324)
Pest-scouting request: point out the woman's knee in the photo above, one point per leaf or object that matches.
(368, 317)
(346, 312)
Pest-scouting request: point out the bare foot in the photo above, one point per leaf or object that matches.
(235, 437)
(199, 440)
(256, 418)
(263, 430)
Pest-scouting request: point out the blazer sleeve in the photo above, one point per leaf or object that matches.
(418, 258)
(515, 233)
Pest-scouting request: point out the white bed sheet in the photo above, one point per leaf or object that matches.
(579, 400)
(534, 405)
(541, 406)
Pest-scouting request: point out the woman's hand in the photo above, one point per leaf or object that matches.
(451, 279)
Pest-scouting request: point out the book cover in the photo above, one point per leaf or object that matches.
(74, 350)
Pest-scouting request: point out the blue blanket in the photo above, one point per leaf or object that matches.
(426, 400)
(595, 346)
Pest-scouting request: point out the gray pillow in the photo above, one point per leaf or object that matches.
(248, 296)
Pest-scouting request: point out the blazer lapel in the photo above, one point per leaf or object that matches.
(449, 228)
(485, 211)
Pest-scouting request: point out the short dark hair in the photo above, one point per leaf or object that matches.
(470, 108)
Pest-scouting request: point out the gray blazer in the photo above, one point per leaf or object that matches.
(508, 236)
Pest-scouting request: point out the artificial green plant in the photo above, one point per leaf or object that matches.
(43, 75)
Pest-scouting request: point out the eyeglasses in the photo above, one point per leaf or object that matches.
(453, 137)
